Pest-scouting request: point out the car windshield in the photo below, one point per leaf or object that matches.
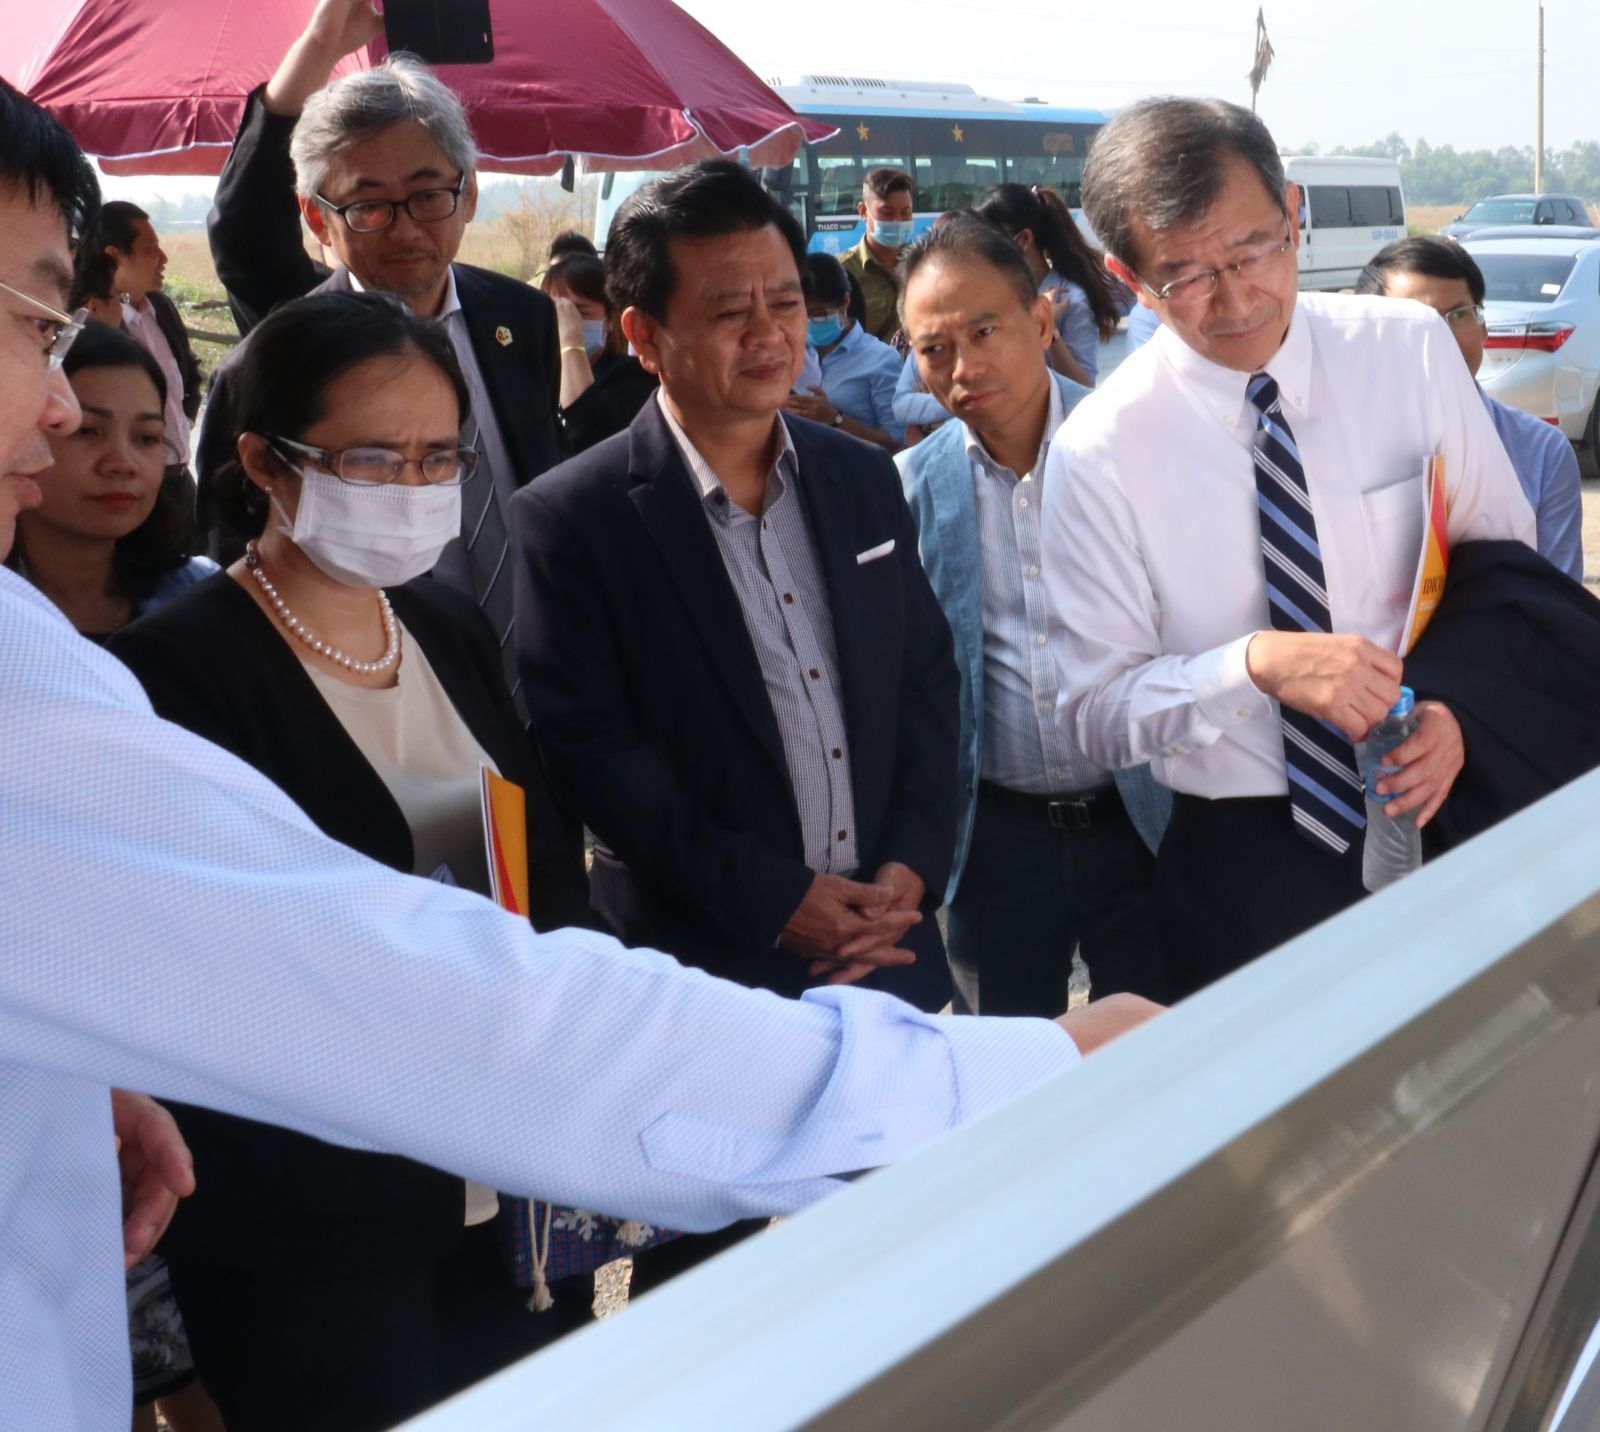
(1501, 211)
(1524, 278)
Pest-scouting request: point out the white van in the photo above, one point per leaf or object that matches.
(1349, 209)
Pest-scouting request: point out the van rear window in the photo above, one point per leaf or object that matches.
(1524, 278)
(1374, 206)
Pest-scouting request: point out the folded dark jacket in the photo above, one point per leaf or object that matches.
(1514, 651)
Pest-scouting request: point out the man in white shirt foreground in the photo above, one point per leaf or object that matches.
(1232, 527)
(169, 921)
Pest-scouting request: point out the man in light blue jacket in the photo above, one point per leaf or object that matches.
(1053, 852)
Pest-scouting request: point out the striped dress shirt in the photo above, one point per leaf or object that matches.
(1025, 747)
(772, 563)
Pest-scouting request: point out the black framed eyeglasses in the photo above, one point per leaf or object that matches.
(1195, 288)
(59, 330)
(426, 206)
(373, 466)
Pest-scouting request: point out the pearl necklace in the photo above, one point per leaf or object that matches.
(391, 628)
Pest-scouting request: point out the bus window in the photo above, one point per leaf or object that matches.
(953, 181)
(1048, 157)
(1330, 206)
(839, 179)
(955, 161)
(839, 165)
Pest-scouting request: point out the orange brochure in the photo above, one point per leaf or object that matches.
(505, 835)
(1433, 564)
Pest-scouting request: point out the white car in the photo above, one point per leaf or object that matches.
(1542, 292)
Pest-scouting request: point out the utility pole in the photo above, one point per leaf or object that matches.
(1538, 123)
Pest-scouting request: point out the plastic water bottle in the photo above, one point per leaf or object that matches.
(1394, 844)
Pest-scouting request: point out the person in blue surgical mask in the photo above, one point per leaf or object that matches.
(887, 206)
(859, 373)
(602, 384)
(320, 1285)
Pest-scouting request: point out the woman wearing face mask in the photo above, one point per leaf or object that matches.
(324, 1287)
(112, 537)
(859, 372)
(602, 385)
(1072, 273)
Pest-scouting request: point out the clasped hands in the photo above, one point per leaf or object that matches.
(845, 929)
(1352, 683)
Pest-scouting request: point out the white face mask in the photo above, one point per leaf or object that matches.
(372, 534)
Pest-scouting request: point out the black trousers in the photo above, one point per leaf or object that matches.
(362, 1352)
(1235, 879)
(1032, 891)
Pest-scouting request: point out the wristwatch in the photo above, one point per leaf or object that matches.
(838, 418)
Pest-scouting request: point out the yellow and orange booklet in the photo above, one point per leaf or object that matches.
(1433, 564)
(505, 836)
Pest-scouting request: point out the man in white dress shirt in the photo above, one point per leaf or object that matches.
(169, 921)
(1232, 529)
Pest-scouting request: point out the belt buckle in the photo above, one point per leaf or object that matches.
(1056, 814)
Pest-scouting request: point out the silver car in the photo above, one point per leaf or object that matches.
(1543, 313)
(1498, 209)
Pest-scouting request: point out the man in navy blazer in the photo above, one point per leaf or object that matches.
(1053, 852)
(735, 666)
(382, 161)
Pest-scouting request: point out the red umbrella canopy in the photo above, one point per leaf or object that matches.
(154, 88)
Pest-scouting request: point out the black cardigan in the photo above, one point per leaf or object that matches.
(620, 388)
(213, 662)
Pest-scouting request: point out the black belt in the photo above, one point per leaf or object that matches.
(1071, 810)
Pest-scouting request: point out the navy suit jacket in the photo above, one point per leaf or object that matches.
(650, 708)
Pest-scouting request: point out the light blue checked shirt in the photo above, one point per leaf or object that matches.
(1024, 747)
(170, 921)
(913, 403)
(1076, 326)
(859, 375)
(1547, 467)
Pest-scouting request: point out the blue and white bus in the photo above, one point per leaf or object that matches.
(953, 141)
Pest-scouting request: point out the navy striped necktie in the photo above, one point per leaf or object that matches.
(1325, 791)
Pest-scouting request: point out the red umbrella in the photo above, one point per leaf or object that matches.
(159, 88)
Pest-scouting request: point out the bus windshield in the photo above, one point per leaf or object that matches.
(951, 160)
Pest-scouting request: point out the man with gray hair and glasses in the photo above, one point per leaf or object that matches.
(382, 162)
(1232, 524)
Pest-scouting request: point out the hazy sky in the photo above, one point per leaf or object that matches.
(1347, 71)
(1455, 72)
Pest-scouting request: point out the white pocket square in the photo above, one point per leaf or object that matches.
(883, 549)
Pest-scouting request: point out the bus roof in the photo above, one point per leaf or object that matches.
(849, 94)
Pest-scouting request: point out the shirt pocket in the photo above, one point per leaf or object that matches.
(1391, 514)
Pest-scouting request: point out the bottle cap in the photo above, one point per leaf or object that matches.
(1406, 703)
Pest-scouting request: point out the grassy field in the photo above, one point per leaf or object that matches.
(1430, 218)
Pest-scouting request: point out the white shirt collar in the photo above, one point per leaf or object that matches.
(980, 456)
(705, 478)
(452, 301)
(1221, 391)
